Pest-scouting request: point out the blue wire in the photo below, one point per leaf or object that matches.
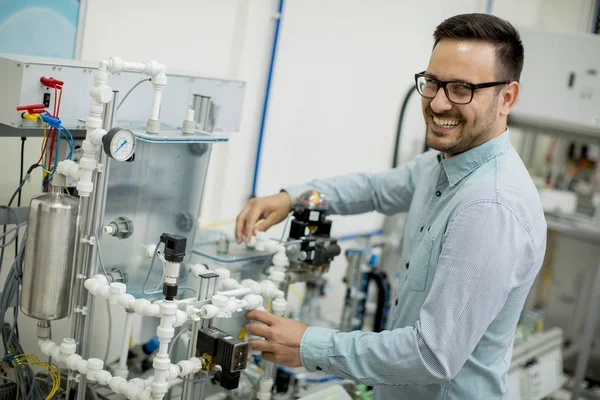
(69, 139)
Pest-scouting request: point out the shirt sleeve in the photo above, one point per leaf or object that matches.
(485, 254)
(387, 192)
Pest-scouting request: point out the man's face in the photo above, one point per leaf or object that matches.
(453, 128)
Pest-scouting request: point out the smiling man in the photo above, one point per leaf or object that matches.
(474, 240)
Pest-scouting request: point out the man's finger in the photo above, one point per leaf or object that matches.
(253, 215)
(267, 356)
(266, 223)
(261, 316)
(262, 345)
(240, 223)
(258, 330)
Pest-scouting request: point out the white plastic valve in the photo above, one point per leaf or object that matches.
(219, 301)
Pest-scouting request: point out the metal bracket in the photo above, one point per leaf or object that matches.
(82, 310)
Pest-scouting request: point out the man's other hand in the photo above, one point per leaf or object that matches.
(283, 337)
(270, 210)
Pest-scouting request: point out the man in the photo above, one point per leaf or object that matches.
(473, 244)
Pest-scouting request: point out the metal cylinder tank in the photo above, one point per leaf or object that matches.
(47, 266)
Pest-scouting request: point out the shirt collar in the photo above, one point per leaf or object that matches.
(459, 166)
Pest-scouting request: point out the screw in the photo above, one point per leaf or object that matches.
(60, 68)
(18, 64)
(53, 68)
(12, 123)
(26, 65)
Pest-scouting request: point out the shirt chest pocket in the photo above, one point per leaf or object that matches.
(419, 266)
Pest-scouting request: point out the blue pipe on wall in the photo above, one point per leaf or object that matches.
(596, 26)
(490, 6)
(261, 132)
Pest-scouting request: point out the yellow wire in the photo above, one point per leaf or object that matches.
(52, 370)
(67, 189)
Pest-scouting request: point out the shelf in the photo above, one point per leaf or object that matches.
(575, 227)
(554, 127)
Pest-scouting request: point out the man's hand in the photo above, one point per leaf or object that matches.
(283, 337)
(273, 209)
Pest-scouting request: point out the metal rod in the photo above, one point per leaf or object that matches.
(207, 288)
(89, 266)
(77, 281)
(588, 337)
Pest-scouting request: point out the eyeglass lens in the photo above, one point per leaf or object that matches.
(459, 93)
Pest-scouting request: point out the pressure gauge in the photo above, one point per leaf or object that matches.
(119, 144)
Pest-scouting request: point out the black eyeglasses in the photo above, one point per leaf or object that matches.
(457, 92)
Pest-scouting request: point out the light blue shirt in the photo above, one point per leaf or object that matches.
(474, 241)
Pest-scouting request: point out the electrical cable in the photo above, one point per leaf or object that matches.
(15, 229)
(181, 332)
(151, 266)
(287, 220)
(407, 97)
(22, 167)
(99, 255)
(131, 90)
(109, 339)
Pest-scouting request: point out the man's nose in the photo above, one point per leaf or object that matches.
(440, 102)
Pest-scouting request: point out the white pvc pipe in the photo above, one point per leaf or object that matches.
(122, 370)
(236, 292)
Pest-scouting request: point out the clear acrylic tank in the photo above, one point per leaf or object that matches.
(159, 191)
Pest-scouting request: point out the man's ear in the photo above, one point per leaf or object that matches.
(508, 97)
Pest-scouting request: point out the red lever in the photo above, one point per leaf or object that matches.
(32, 108)
(51, 82)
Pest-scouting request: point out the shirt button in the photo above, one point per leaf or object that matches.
(438, 193)
(396, 302)
(407, 264)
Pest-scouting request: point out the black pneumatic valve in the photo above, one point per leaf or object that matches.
(174, 247)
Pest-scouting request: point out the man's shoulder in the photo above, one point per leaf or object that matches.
(505, 182)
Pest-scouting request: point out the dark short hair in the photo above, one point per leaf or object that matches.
(488, 28)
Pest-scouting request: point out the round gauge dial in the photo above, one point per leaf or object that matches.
(119, 144)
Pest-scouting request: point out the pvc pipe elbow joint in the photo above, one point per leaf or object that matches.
(93, 366)
(96, 136)
(181, 318)
(253, 301)
(101, 93)
(68, 168)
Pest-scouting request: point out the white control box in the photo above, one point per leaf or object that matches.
(20, 81)
(560, 82)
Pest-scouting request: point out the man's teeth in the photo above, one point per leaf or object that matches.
(446, 123)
